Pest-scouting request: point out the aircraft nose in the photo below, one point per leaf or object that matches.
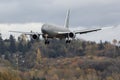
(44, 28)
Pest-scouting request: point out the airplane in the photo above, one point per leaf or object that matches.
(50, 31)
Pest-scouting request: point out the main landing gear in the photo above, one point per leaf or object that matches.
(68, 41)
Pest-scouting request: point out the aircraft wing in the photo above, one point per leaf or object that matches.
(26, 33)
(86, 31)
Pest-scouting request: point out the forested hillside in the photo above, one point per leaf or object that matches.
(24, 59)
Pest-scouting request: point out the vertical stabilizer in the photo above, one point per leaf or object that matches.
(67, 19)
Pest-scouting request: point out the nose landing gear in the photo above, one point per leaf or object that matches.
(46, 39)
(47, 42)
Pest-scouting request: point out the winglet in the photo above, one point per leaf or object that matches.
(67, 19)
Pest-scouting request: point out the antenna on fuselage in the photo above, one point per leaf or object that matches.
(67, 19)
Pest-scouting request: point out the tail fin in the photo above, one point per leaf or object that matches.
(67, 19)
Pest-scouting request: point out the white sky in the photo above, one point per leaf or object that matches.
(83, 12)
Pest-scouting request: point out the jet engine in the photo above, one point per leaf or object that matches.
(71, 35)
(35, 36)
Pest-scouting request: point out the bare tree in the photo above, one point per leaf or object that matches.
(115, 43)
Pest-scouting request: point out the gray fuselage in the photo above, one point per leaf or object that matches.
(53, 31)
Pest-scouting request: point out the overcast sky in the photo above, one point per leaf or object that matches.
(83, 12)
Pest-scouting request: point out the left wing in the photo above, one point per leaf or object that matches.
(86, 31)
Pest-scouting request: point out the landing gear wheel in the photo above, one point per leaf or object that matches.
(68, 41)
(47, 42)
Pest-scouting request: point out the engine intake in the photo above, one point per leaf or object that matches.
(35, 36)
(71, 35)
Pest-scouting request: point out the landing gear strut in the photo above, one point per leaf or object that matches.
(46, 39)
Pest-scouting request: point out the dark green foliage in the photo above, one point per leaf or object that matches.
(2, 46)
(59, 48)
(38, 78)
(12, 46)
(60, 59)
(100, 46)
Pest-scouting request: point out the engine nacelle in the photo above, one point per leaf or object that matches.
(72, 35)
(35, 36)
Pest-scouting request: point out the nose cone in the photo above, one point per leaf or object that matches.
(44, 28)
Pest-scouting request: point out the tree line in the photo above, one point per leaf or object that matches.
(58, 48)
(34, 60)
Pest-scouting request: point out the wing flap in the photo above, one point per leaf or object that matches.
(63, 32)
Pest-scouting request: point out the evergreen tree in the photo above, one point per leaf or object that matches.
(2, 46)
(100, 45)
(12, 46)
(20, 46)
(23, 44)
(83, 45)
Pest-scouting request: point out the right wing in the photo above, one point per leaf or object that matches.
(27, 33)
